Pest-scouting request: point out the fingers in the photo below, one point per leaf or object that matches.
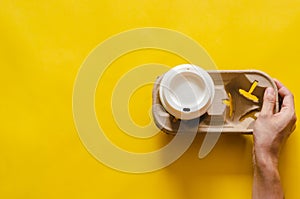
(278, 83)
(269, 102)
(288, 98)
(283, 91)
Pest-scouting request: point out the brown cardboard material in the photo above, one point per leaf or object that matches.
(228, 84)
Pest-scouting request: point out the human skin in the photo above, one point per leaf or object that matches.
(270, 133)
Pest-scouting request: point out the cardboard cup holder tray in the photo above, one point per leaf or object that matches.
(230, 105)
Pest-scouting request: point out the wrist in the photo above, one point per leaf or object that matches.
(265, 159)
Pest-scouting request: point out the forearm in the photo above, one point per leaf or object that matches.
(269, 134)
(266, 182)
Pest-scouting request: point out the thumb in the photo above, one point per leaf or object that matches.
(269, 102)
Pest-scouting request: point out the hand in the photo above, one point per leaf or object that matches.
(271, 130)
(269, 134)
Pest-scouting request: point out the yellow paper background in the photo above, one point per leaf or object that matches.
(43, 44)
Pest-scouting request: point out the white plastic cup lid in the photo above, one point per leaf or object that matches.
(186, 91)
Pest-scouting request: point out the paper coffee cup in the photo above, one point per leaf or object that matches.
(186, 91)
